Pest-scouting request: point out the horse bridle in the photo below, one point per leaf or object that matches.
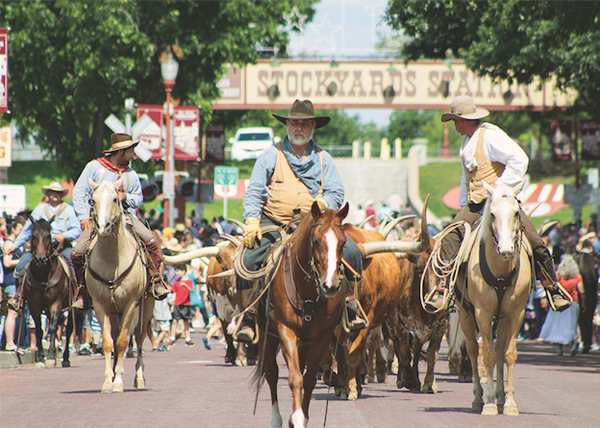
(94, 215)
(313, 275)
(518, 235)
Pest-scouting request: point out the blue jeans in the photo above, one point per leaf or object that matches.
(26, 258)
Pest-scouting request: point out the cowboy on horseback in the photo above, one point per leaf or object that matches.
(286, 180)
(65, 229)
(489, 155)
(112, 166)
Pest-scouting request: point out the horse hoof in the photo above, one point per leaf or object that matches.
(117, 387)
(465, 379)
(139, 384)
(490, 409)
(427, 389)
(66, 364)
(40, 365)
(353, 396)
(107, 388)
(510, 411)
(476, 407)
(382, 378)
(50, 364)
(338, 392)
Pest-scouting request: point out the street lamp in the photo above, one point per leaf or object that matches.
(168, 69)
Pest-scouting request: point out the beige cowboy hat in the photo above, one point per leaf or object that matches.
(463, 107)
(303, 110)
(120, 142)
(173, 245)
(54, 187)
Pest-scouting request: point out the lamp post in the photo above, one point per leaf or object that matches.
(168, 69)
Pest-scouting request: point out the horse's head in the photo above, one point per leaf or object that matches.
(41, 241)
(106, 206)
(326, 240)
(502, 220)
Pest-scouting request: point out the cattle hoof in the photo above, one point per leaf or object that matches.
(399, 384)
(429, 389)
(381, 377)
(465, 379)
(510, 411)
(66, 364)
(490, 409)
(338, 392)
(40, 365)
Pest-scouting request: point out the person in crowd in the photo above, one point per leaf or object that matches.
(489, 154)
(286, 180)
(561, 327)
(64, 230)
(370, 211)
(182, 309)
(162, 322)
(588, 302)
(359, 215)
(384, 212)
(114, 165)
(10, 258)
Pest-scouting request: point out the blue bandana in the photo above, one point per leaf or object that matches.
(308, 171)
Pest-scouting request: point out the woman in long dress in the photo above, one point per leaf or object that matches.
(561, 327)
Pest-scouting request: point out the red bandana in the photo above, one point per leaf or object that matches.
(111, 166)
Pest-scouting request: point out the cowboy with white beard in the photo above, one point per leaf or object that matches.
(286, 180)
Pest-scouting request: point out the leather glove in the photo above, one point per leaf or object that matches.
(252, 232)
(322, 204)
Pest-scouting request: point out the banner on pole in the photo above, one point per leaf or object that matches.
(3, 70)
(562, 144)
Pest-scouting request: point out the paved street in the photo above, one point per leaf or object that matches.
(192, 387)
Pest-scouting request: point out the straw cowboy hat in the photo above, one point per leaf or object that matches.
(120, 142)
(303, 110)
(463, 107)
(55, 187)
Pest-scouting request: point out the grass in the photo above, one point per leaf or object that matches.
(434, 178)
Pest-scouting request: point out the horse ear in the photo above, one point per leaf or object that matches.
(342, 213)
(517, 188)
(315, 211)
(118, 184)
(487, 187)
(93, 184)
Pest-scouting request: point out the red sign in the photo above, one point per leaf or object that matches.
(3, 70)
(151, 136)
(187, 132)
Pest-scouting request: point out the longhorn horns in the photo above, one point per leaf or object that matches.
(194, 254)
(402, 246)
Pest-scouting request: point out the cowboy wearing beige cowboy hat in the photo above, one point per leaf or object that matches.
(489, 154)
(111, 167)
(287, 178)
(64, 229)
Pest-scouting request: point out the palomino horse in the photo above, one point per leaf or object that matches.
(47, 285)
(499, 281)
(116, 278)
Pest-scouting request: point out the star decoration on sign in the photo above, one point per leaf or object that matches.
(294, 20)
(325, 31)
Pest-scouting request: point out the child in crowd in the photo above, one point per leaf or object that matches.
(162, 322)
(182, 310)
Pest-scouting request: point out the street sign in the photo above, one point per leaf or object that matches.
(12, 198)
(226, 175)
(117, 127)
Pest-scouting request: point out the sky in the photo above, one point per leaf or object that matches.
(344, 30)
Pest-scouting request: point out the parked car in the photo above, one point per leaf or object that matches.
(249, 143)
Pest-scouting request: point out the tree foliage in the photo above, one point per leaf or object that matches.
(74, 63)
(514, 40)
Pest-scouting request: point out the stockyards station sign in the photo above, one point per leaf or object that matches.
(397, 85)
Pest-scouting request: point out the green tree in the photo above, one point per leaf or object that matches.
(513, 40)
(74, 63)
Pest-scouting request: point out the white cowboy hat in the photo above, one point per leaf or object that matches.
(463, 107)
(55, 187)
(303, 110)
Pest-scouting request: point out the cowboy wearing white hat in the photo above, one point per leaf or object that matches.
(64, 229)
(287, 179)
(489, 154)
(111, 167)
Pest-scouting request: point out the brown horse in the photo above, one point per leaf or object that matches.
(116, 277)
(47, 284)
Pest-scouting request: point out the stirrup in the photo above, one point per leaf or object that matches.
(159, 291)
(239, 323)
(435, 304)
(561, 293)
(16, 303)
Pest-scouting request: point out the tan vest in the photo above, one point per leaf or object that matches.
(484, 171)
(287, 192)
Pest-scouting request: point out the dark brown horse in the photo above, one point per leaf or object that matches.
(47, 285)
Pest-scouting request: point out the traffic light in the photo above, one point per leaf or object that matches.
(186, 187)
(152, 188)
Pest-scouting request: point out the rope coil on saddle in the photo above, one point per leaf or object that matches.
(446, 270)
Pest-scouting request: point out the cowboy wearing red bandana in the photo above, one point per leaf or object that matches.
(111, 167)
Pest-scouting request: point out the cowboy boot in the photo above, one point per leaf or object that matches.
(16, 302)
(246, 333)
(355, 321)
(82, 300)
(159, 290)
(558, 297)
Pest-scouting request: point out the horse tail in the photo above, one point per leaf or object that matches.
(259, 375)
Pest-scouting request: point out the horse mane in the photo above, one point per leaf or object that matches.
(42, 224)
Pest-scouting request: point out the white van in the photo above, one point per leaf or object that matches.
(249, 143)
